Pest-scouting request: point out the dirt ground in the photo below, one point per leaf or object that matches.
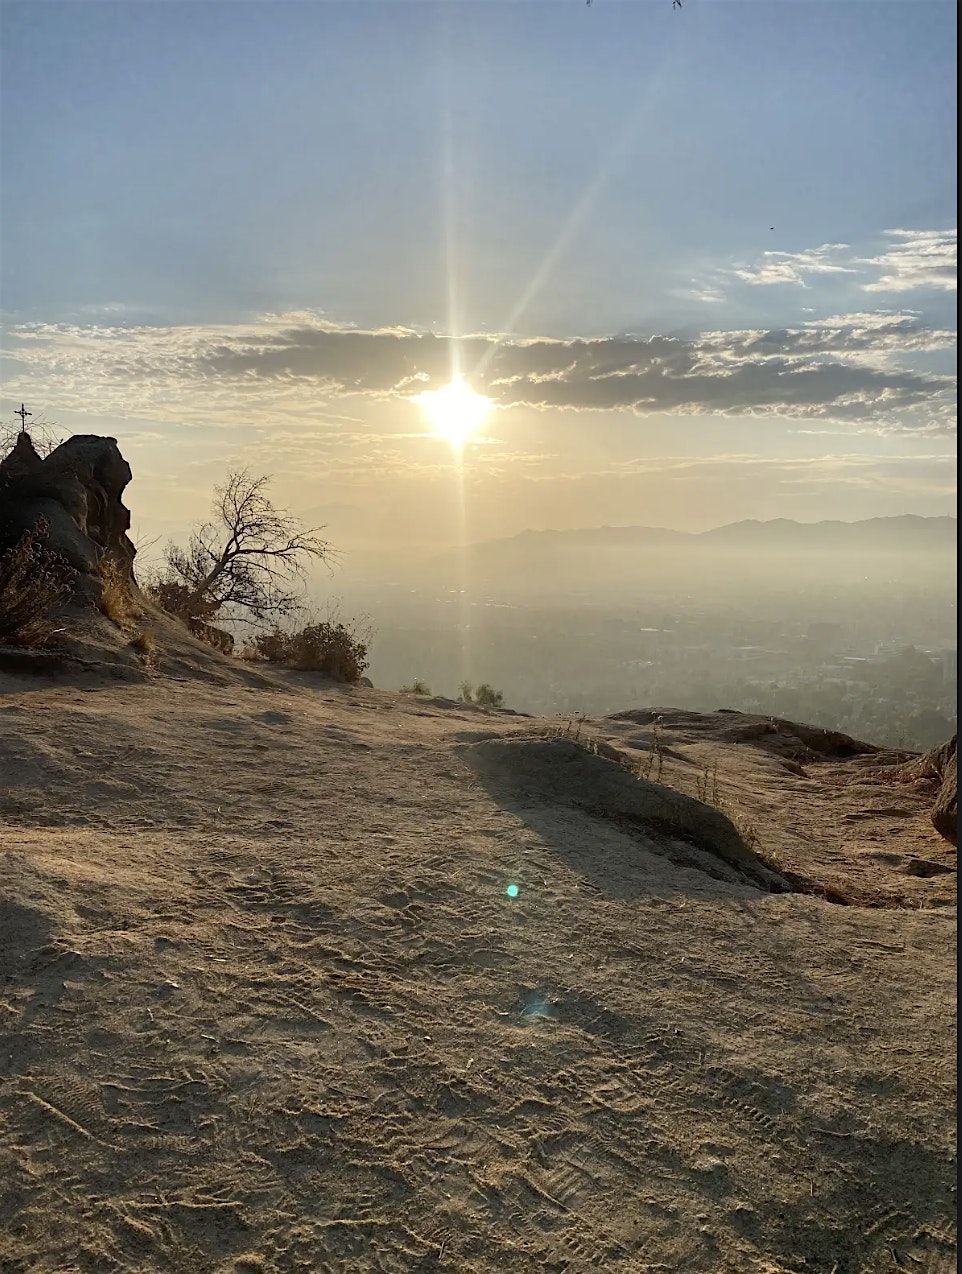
(268, 1004)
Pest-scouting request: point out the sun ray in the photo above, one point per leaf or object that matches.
(584, 205)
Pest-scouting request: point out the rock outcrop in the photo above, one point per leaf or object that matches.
(939, 767)
(791, 740)
(945, 812)
(102, 624)
(592, 778)
(75, 495)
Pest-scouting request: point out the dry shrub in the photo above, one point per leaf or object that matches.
(145, 646)
(45, 435)
(329, 647)
(216, 637)
(34, 583)
(115, 599)
(193, 612)
(651, 767)
(181, 602)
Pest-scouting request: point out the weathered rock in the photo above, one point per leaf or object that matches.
(945, 812)
(790, 740)
(938, 768)
(104, 624)
(564, 771)
(76, 492)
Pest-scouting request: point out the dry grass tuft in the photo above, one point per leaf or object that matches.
(708, 791)
(746, 829)
(651, 767)
(34, 584)
(706, 786)
(569, 728)
(146, 647)
(115, 599)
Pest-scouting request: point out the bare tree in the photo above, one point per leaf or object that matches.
(249, 562)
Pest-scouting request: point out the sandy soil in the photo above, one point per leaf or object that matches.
(267, 1005)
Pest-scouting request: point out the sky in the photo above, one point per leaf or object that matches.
(702, 260)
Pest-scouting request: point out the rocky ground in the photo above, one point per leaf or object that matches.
(267, 1003)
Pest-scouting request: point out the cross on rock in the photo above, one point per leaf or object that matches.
(23, 414)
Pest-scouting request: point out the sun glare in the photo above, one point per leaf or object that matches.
(455, 411)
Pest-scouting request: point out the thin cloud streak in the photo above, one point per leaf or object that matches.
(917, 259)
(794, 267)
(913, 260)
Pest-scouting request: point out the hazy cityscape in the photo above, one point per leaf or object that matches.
(861, 643)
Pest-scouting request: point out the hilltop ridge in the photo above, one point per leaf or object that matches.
(269, 1002)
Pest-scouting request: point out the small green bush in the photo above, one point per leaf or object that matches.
(417, 687)
(484, 697)
(331, 648)
(487, 697)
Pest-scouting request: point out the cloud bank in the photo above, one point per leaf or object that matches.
(853, 369)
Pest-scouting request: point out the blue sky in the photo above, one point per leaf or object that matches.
(173, 172)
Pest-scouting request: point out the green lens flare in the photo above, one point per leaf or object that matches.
(512, 891)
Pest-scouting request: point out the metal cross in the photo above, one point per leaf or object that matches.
(23, 414)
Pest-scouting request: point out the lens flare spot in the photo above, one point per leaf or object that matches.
(512, 891)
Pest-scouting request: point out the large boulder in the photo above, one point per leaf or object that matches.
(75, 494)
(939, 768)
(945, 812)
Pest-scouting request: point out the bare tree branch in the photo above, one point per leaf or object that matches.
(248, 562)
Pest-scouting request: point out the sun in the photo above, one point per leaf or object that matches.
(455, 411)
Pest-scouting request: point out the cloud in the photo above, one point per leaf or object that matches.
(109, 309)
(912, 260)
(928, 479)
(284, 368)
(917, 259)
(828, 467)
(707, 294)
(844, 336)
(794, 267)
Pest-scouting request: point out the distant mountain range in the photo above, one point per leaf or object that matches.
(908, 533)
(608, 553)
